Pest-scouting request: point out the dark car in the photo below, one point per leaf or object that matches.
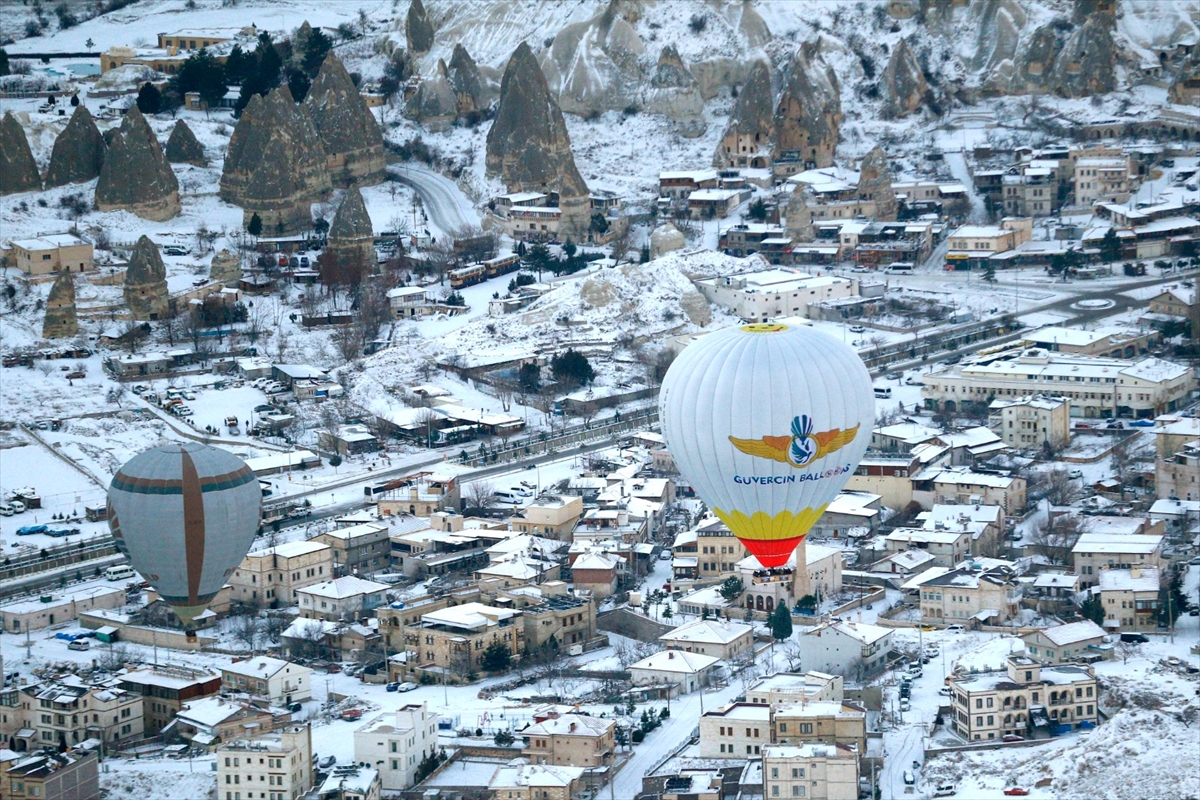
(1134, 638)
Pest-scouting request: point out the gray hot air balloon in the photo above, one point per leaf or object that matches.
(185, 514)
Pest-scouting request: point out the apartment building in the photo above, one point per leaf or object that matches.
(60, 714)
(278, 766)
(273, 576)
(968, 595)
(735, 730)
(947, 547)
(358, 548)
(674, 671)
(1024, 699)
(455, 638)
(888, 476)
(988, 240)
(776, 292)
(275, 680)
(570, 740)
(1101, 179)
(550, 517)
(723, 640)
(1096, 387)
(165, 688)
(1062, 644)
(1130, 598)
(46, 255)
(1178, 475)
(345, 597)
(810, 771)
(536, 782)
(678, 184)
(597, 573)
(790, 688)
(985, 523)
(72, 775)
(829, 722)
(844, 648)
(396, 743)
(962, 486)
(717, 550)
(1094, 552)
(1032, 422)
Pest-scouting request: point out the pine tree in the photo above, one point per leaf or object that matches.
(989, 271)
(149, 99)
(255, 226)
(781, 622)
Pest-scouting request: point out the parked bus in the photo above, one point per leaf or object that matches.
(468, 276)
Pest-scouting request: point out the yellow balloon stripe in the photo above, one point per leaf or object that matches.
(761, 526)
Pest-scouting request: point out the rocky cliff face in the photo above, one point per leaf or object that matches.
(419, 30)
(146, 283)
(809, 114)
(674, 92)
(276, 166)
(902, 83)
(749, 140)
(351, 236)
(348, 130)
(798, 217)
(183, 147)
(875, 184)
(594, 66)
(78, 152)
(1185, 90)
(60, 321)
(434, 103)
(136, 176)
(18, 170)
(528, 146)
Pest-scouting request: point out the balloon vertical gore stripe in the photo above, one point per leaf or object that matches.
(193, 528)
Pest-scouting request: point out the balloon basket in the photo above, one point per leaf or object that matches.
(191, 636)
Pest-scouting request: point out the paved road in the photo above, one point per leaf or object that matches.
(448, 208)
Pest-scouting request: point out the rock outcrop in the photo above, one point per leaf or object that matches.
(594, 66)
(349, 133)
(674, 93)
(666, 238)
(78, 153)
(418, 32)
(136, 176)
(1186, 88)
(275, 165)
(749, 140)
(183, 147)
(902, 83)
(434, 104)
(1087, 64)
(753, 26)
(18, 170)
(528, 146)
(875, 184)
(226, 268)
(60, 321)
(798, 217)
(146, 283)
(471, 91)
(809, 114)
(351, 236)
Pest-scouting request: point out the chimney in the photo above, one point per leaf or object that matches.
(670, 654)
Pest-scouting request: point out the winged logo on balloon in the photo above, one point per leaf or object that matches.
(799, 449)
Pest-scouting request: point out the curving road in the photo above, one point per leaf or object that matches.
(448, 208)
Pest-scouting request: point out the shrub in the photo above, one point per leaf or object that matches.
(698, 23)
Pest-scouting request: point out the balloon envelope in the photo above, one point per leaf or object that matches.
(185, 514)
(767, 421)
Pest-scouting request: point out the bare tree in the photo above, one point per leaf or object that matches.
(481, 494)
(348, 339)
(248, 630)
(428, 419)
(256, 321)
(281, 345)
(1060, 490)
(1055, 538)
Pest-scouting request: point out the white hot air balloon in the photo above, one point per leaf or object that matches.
(185, 514)
(767, 422)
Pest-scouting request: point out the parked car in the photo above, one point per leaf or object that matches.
(857, 329)
(1134, 638)
(351, 714)
(945, 790)
(904, 704)
(139, 388)
(327, 762)
(1015, 791)
(1142, 423)
(392, 687)
(407, 686)
(1012, 737)
(909, 778)
(294, 707)
(954, 629)
(946, 691)
(30, 530)
(80, 644)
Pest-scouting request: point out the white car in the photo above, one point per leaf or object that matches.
(954, 629)
(945, 790)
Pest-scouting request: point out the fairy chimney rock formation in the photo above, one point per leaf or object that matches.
(225, 269)
(418, 31)
(136, 176)
(666, 238)
(183, 147)
(809, 114)
(146, 283)
(349, 132)
(60, 321)
(749, 139)
(875, 184)
(435, 103)
(471, 91)
(275, 165)
(671, 72)
(78, 153)
(798, 217)
(351, 236)
(903, 83)
(528, 146)
(18, 170)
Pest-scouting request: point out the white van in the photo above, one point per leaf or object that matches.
(508, 496)
(900, 268)
(883, 393)
(119, 573)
